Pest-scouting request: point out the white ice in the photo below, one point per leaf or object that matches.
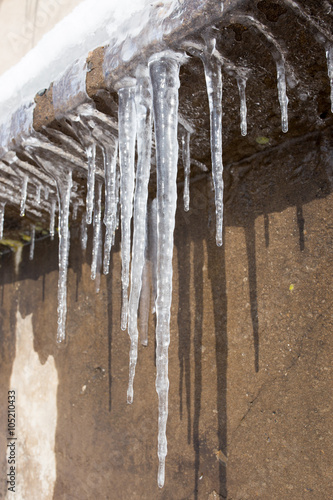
(143, 114)
(241, 82)
(64, 188)
(127, 135)
(2, 217)
(23, 195)
(164, 73)
(110, 211)
(32, 242)
(97, 238)
(91, 156)
(187, 168)
(213, 77)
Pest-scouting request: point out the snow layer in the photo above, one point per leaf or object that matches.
(90, 25)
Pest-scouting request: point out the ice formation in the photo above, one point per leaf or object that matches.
(91, 155)
(144, 131)
(32, 242)
(241, 82)
(329, 56)
(127, 136)
(2, 217)
(164, 74)
(213, 77)
(97, 239)
(110, 211)
(187, 169)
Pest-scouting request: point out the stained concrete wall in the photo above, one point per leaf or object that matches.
(24, 22)
(250, 408)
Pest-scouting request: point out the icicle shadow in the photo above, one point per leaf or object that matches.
(252, 269)
(217, 277)
(300, 224)
(182, 239)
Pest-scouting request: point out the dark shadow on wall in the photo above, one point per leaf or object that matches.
(182, 242)
(7, 353)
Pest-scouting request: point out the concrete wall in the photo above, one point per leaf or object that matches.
(24, 22)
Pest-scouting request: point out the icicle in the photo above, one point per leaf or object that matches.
(127, 133)
(145, 289)
(38, 191)
(282, 92)
(75, 209)
(97, 241)
(84, 233)
(110, 212)
(187, 168)
(32, 242)
(24, 195)
(152, 249)
(64, 188)
(91, 155)
(164, 73)
(143, 110)
(241, 82)
(329, 56)
(52, 218)
(46, 192)
(214, 89)
(117, 200)
(2, 217)
(144, 303)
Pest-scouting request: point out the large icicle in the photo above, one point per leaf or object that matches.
(213, 77)
(187, 168)
(110, 212)
(329, 56)
(91, 155)
(241, 83)
(97, 239)
(23, 195)
(127, 134)
(143, 110)
(2, 217)
(32, 242)
(64, 190)
(164, 73)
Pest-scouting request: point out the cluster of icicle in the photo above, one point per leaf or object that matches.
(147, 102)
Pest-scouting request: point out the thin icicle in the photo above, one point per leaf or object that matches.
(32, 242)
(241, 83)
(213, 77)
(97, 240)
(143, 110)
(282, 92)
(91, 155)
(329, 56)
(164, 73)
(75, 209)
(84, 233)
(110, 212)
(23, 195)
(187, 168)
(64, 189)
(52, 218)
(38, 192)
(46, 192)
(2, 217)
(127, 134)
